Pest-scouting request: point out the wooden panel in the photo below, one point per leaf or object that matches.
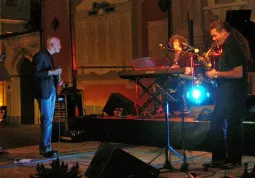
(157, 34)
(87, 5)
(104, 40)
(59, 10)
(1, 93)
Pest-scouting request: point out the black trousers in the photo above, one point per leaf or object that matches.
(227, 122)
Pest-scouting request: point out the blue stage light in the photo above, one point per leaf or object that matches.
(197, 94)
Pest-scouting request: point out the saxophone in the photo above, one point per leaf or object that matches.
(206, 61)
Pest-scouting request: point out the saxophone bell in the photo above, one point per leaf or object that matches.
(207, 58)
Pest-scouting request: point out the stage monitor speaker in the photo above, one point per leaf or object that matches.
(112, 162)
(116, 100)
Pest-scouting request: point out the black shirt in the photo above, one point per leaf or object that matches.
(232, 57)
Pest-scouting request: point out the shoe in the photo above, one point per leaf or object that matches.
(49, 154)
(213, 164)
(54, 151)
(237, 165)
(230, 166)
(227, 166)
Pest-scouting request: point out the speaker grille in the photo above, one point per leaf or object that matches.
(112, 162)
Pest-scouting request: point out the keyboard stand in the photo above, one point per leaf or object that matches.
(153, 96)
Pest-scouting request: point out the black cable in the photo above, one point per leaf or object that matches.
(154, 158)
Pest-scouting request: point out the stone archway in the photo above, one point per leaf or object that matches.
(26, 91)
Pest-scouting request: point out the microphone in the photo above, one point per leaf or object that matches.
(59, 76)
(162, 47)
(194, 49)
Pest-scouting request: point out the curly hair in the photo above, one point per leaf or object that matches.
(180, 38)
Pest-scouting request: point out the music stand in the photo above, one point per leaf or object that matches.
(167, 164)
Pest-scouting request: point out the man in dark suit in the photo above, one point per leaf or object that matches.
(46, 79)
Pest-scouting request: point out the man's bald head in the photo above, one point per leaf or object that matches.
(53, 45)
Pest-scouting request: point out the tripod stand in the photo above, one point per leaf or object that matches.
(181, 88)
(168, 148)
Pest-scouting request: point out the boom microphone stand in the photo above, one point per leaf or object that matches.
(181, 88)
(181, 91)
(168, 148)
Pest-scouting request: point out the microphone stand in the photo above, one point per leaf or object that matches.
(181, 89)
(168, 148)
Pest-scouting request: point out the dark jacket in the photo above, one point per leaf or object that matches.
(42, 62)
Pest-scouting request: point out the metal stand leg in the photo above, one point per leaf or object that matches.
(167, 164)
(168, 148)
(185, 165)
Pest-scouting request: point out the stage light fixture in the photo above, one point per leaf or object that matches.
(101, 8)
(197, 94)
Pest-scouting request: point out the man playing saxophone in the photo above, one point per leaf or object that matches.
(231, 93)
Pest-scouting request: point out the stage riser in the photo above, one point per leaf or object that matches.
(152, 133)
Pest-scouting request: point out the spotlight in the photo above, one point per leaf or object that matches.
(197, 94)
(101, 8)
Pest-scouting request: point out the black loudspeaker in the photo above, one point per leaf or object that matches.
(112, 162)
(116, 100)
(164, 4)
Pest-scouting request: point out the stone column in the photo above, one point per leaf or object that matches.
(137, 28)
(36, 112)
(56, 22)
(198, 25)
(251, 5)
(13, 104)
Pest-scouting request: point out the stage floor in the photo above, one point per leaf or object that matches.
(139, 137)
(149, 131)
(83, 152)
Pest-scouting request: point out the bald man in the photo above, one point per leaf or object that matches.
(46, 81)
